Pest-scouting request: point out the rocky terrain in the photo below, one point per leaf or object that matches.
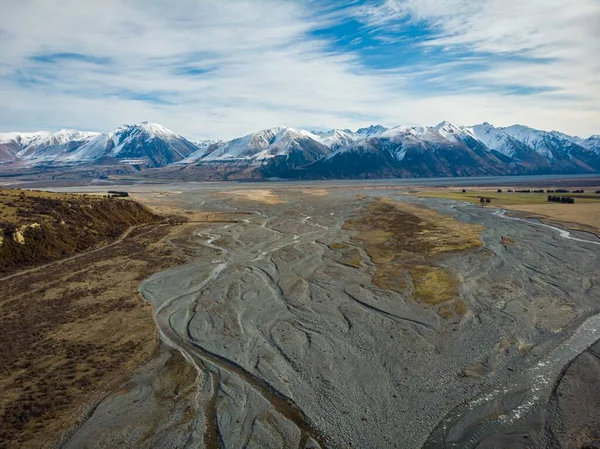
(341, 317)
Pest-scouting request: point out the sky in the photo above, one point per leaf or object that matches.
(221, 69)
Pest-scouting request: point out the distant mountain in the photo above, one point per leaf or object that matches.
(41, 146)
(450, 150)
(281, 152)
(591, 143)
(405, 152)
(371, 131)
(145, 144)
(336, 138)
(266, 153)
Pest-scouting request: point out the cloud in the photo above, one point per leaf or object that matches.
(544, 46)
(221, 69)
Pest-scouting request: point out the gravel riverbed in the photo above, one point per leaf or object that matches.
(290, 347)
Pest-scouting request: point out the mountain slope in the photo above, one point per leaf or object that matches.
(147, 144)
(281, 152)
(405, 152)
(263, 154)
(13, 143)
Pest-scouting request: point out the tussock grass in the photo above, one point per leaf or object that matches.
(584, 215)
(350, 256)
(507, 241)
(39, 227)
(77, 329)
(434, 285)
(405, 242)
(265, 196)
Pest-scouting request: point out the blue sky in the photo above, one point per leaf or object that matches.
(215, 69)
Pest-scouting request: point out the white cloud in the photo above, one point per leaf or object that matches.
(550, 45)
(263, 68)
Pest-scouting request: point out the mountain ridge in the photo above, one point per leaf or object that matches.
(445, 149)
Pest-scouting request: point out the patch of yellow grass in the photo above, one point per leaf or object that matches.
(404, 242)
(316, 192)
(352, 260)
(390, 276)
(460, 307)
(265, 196)
(442, 233)
(585, 217)
(350, 256)
(10, 199)
(434, 285)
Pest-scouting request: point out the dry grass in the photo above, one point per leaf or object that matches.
(352, 259)
(315, 192)
(505, 198)
(583, 215)
(10, 199)
(434, 285)
(265, 196)
(77, 329)
(405, 242)
(39, 227)
(391, 276)
(350, 255)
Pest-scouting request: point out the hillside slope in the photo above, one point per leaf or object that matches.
(38, 227)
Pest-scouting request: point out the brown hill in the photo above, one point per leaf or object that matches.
(39, 227)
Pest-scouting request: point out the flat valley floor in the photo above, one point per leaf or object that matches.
(329, 316)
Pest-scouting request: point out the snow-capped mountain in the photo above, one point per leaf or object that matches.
(55, 146)
(270, 149)
(407, 152)
(336, 138)
(375, 151)
(267, 153)
(479, 150)
(269, 143)
(591, 143)
(146, 144)
(371, 131)
(41, 146)
(340, 138)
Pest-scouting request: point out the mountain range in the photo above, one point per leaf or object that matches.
(281, 152)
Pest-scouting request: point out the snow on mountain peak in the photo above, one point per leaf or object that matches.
(150, 130)
(160, 146)
(23, 139)
(371, 131)
(336, 138)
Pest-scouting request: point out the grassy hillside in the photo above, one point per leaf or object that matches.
(38, 227)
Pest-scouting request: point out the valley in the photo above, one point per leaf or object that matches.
(292, 224)
(359, 316)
